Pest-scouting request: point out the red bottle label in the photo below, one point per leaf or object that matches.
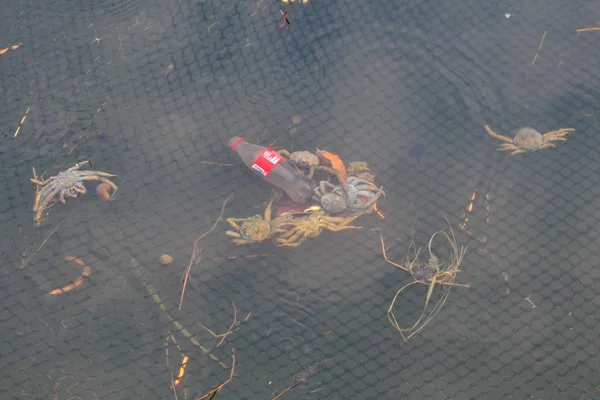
(266, 161)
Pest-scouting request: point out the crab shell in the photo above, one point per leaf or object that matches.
(334, 202)
(304, 159)
(528, 138)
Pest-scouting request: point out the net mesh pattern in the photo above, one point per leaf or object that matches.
(152, 92)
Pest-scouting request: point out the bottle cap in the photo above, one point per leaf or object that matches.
(234, 141)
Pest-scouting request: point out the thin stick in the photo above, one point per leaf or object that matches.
(231, 327)
(539, 48)
(215, 390)
(587, 30)
(248, 256)
(187, 276)
(216, 163)
(195, 253)
(41, 245)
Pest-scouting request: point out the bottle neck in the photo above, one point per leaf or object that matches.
(236, 142)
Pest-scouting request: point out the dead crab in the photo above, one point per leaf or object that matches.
(256, 228)
(67, 183)
(310, 224)
(333, 199)
(528, 139)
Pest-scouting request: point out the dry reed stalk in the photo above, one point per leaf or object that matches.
(443, 275)
(196, 253)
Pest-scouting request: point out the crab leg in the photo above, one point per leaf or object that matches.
(37, 219)
(341, 181)
(41, 183)
(98, 173)
(560, 132)
(518, 151)
(44, 200)
(506, 147)
(291, 239)
(234, 223)
(495, 135)
(79, 164)
(373, 200)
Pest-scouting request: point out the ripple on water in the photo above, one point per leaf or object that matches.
(120, 9)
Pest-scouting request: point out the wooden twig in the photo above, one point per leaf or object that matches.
(539, 48)
(214, 391)
(186, 276)
(195, 252)
(247, 256)
(231, 327)
(587, 30)
(216, 163)
(41, 245)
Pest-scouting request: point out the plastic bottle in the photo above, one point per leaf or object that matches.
(275, 169)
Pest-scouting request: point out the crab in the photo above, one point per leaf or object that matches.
(310, 224)
(256, 228)
(334, 200)
(528, 139)
(67, 183)
(361, 169)
(308, 163)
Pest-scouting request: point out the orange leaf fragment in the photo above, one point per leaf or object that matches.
(335, 160)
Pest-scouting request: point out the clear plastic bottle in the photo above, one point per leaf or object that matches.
(275, 169)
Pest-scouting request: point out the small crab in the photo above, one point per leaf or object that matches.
(334, 200)
(310, 224)
(361, 169)
(302, 161)
(67, 183)
(256, 228)
(331, 197)
(308, 163)
(528, 139)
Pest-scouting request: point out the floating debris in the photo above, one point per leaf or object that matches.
(13, 47)
(22, 121)
(166, 259)
(85, 272)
